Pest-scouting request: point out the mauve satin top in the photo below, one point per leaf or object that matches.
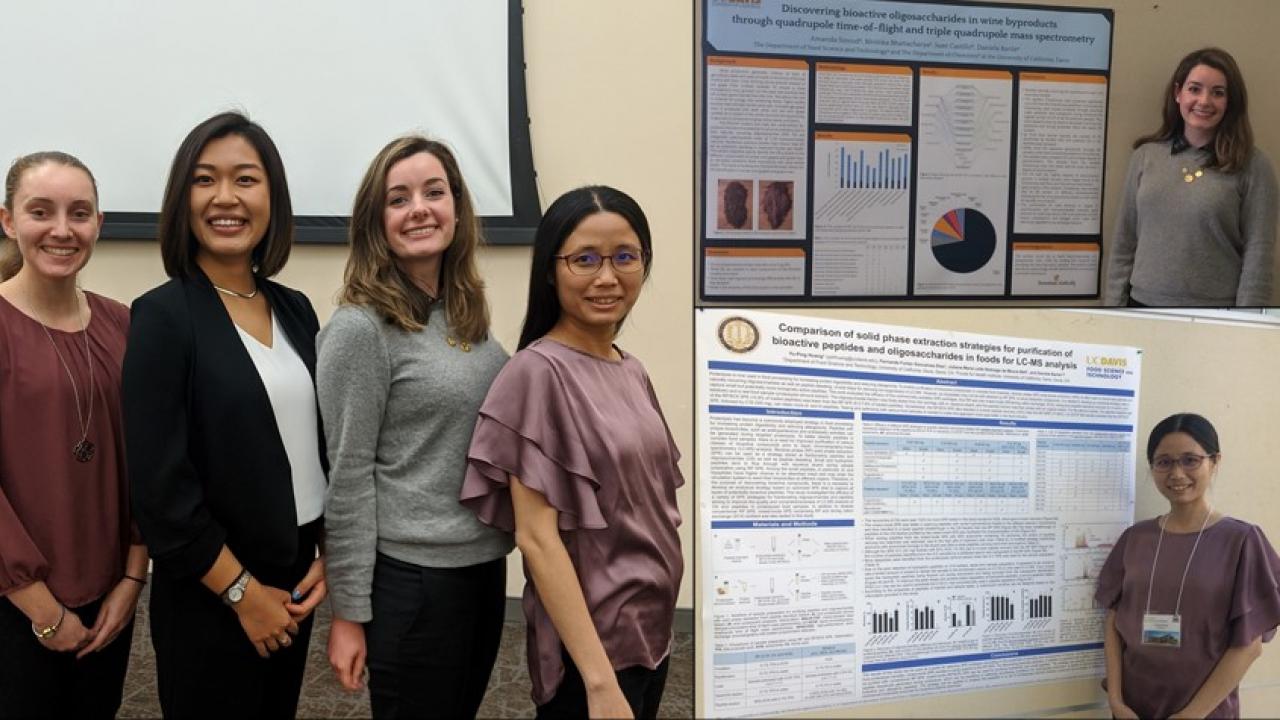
(62, 521)
(1231, 598)
(587, 433)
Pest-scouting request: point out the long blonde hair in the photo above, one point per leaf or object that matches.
(10, 257)
(374, 278)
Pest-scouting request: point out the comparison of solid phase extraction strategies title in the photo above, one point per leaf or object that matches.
(865, 149)
(886, 512)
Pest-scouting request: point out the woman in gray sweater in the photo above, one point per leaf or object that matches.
(1197, 224)
(417, 582)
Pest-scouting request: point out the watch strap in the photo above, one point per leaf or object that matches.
(43, 633)
(241, 582)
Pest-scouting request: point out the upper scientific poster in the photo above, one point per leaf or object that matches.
(898, 150)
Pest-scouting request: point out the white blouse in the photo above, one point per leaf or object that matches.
(293, 401)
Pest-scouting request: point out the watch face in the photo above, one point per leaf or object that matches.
(235, 594)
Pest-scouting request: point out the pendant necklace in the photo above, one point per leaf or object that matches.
(83, 450)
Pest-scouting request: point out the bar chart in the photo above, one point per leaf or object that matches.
(861, 212)
(887, 169)
(1040, 606)
(922, 618)
(861, 178)
(1000, 608)
(885, 622)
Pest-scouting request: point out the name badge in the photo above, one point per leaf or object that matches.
(1162, 630)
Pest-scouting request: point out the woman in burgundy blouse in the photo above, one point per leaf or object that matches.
(1190, 595)
(571, 451)
(71, 564)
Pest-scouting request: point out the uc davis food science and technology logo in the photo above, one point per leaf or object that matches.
(738, 334)
(1104, 367)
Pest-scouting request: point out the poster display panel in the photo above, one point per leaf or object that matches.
(890, 149)
(887, 511)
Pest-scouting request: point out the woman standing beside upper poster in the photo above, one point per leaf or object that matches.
(1197, 224)
(1191, 595)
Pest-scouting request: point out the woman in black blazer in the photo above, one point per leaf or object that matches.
(226, 457)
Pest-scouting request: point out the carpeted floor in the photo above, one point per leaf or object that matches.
(322, 697)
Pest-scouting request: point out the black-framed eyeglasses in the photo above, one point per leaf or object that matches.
(1187, 461)
(625, 260)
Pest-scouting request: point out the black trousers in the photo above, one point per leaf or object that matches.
(433, 638)
(38, 682)
(205, 664)
(641, 686)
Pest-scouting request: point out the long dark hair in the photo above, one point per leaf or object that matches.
(558, 223)
(1197, 426)
(1233, 141)
(178, 244)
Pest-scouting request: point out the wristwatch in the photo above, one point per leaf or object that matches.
(44, 633)
(235, 592)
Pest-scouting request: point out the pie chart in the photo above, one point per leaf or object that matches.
(963, 240)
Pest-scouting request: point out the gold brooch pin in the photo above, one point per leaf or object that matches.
(1188, 176)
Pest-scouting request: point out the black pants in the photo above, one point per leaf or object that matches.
(38, 682)
(433, 638)
(641, 686)
(205, 664)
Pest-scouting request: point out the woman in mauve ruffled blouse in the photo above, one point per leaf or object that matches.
(571, 451)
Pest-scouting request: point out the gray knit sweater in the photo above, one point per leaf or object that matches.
(398, 410)
(1210, 242)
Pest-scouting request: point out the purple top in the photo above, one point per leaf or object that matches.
(587, 433)
(1231, 598)
(62, 521)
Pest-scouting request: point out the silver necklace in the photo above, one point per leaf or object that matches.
(83, 450)
(233, 293)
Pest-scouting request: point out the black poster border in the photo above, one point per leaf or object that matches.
(703, 49)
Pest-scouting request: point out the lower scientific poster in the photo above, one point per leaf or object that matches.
(889, 511)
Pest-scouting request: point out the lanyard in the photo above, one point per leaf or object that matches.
(1156, 559)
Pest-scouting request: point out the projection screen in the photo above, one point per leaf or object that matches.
(119, 84)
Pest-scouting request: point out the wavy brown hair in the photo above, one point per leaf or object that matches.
(10, 257)
(374, 278)
(1233, 141)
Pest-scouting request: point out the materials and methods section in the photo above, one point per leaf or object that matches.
(889, 511)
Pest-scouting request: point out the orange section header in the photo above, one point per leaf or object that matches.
(872, 69)
(1062, 77)
(725, 60)
(1055, 247)
(959, 73)
(862, 137)
(754, 252)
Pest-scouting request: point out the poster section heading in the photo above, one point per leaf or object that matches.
(844, 175)
(889, 511)
(876, 30)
